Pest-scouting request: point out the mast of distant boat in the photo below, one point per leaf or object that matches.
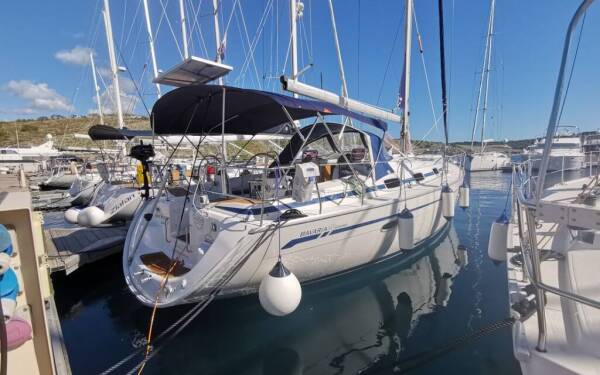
(218, 42)
(96, 88)
(484, 77)
(113, 62)
(151, 43)
(405, 84)
(487, 74)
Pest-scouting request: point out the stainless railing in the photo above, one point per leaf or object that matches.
(524, 203)
(366, 183)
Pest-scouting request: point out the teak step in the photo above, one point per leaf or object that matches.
(159, 263)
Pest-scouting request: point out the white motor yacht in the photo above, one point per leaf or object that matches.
(566, 152)
(488, 161)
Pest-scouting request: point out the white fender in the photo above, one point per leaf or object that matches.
(562, 239)
(406, 229)
(91, 216)
(448, 202)
(498, 243)
(463, 196)
(280, 291)
(71, 215)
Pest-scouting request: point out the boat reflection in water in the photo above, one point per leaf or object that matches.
(356, 323)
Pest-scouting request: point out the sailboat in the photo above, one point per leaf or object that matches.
(332, 189)
(30, 159)
(552, 274)
(482, 159)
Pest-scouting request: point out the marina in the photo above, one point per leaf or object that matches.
(226, 199)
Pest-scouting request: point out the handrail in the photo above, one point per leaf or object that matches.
(531, 261)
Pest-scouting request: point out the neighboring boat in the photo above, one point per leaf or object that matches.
(117, 196)
(488, 161)
(483, 160)
(553, 279)
(30, 159)
(45, 150)
(63, 172)
(83, 188)
(317, 221)
(565, 154)
(591, 148)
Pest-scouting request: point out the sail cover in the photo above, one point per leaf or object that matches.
(198, 110)
(106, 133)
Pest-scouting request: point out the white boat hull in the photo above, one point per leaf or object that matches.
(340, 239)
(559, 162)
(488, 161)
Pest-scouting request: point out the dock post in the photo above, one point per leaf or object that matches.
(22, 178)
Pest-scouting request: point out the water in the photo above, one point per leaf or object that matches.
(387, 319)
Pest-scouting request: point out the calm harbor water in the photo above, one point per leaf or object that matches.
(390, 318)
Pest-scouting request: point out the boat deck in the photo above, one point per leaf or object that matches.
(70, 248)
(564, 354)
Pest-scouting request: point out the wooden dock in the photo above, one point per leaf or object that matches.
(69, 248)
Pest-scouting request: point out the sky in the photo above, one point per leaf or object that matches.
(44, 62)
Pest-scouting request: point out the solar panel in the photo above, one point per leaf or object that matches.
(193, 70)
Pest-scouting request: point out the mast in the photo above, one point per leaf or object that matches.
(484, 71)
(405, 89)
(487, 73)
(293, 40)
(443, 79)
(217, 35)
(340, 65)
(151, 42)
(113, 62)
(186, 53)
(96, 88)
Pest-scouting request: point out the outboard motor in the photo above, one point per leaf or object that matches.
(143, 153)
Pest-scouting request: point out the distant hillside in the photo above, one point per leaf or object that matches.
(33, 132)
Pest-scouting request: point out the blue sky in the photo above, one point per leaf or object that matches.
(42, 70)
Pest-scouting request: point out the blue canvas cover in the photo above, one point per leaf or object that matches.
(380, 156)
(198, 110)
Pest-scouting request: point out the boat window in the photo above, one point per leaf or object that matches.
(392, 183)
(419, 176)
(436, 171)
(560, 146)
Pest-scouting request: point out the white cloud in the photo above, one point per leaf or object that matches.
(39, 95)
(77, 56)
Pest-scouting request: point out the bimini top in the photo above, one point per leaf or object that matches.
(198, 110)
(108, 133)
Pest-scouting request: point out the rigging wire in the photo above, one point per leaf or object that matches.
(387, 65)
(164, 11)
(133, 81)
(197, 26)
(92, 35)
(252, 45)
(436, 119)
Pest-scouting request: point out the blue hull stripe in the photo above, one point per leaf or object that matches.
(296, 241)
